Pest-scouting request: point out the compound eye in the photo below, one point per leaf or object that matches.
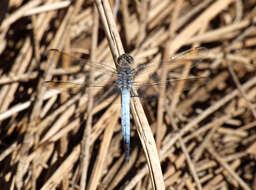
(119, 58)
(125, 58)
(130, 58)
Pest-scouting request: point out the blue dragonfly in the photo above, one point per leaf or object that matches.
(124, 77)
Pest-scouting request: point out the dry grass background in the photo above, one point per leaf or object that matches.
(205, 138)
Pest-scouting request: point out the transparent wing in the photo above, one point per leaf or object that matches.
(70, 61)
(196, 53)
(79, 68)
(173, 82)
(78, 84)
(175, 66)
(62, 85)
(193, 56)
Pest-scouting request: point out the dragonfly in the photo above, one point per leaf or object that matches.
(124, 77)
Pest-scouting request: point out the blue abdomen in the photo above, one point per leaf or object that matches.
(125, 120)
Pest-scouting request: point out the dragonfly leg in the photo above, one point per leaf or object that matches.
(133, 93)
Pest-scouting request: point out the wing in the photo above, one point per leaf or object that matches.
(62, 85)
(76, 71)
(193, 56)
(75, 85)
(175, 67)
(173, 82)
(68, 61)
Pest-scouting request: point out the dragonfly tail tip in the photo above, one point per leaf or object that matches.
(127, 152)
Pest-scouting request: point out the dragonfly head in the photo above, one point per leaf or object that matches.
(125, 61)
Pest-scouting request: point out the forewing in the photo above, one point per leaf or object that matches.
(196, 78)
(61, 85)
(175, 67)
(193, 56)
(85, 65)
(78, 84)
(103, 72)
(196, 53)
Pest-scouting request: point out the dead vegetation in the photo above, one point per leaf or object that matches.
(205, 136)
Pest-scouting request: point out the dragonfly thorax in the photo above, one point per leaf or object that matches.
(125, 75)
(125, 79)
